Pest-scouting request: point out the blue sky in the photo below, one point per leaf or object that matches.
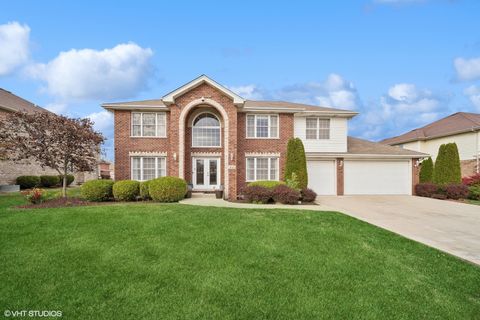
(400, 63)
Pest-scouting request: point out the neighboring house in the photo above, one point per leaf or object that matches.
(213, 138)
(106, 169)
(10, 170)
(461, 127)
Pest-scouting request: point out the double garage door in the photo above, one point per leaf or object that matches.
(361, 177)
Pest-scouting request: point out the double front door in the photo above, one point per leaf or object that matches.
(206, 173)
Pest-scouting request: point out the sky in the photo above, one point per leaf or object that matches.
(400, 63)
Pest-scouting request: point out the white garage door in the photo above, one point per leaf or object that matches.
(321, 177)
(377, 177)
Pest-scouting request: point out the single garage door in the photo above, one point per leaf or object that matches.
(321, 176)
(377, 177)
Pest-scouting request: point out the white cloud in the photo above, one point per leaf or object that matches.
(56, 107)
(119, 72)
(467, 69)
(333, 92)
(473, 93)
(14, 46)
(403, 92)
(103, 121)
(249, 91)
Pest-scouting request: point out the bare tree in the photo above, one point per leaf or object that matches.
(59, 142)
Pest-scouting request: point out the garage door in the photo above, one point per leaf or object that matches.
(377, 177)
(321, 177)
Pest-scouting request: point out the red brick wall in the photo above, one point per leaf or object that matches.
(124, 144)
(262, 145)
(340, 176)
(415, 174)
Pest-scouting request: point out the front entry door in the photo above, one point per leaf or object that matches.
(206, 173)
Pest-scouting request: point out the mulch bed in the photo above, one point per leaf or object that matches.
(61, 202)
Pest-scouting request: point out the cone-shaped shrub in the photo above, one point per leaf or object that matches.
(296, 162)
(447, 166)
(426, 171)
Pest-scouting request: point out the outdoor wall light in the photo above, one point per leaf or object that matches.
(174, 156)
(231, 156)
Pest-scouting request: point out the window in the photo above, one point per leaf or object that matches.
(262, 126)
(317, 128)
(146, 168)
(206, 131)
(149, 124)
(262, 169)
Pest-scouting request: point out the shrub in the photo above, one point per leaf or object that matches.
(456, 191)
(426, 189)
(296, 162)
(270, 184)
(70, 179)
(426, 171)
(167, 189)
(258, 194)
(97, 190)
(471, 180)
(439, 196)
(474, 192)
(286, 195)
(126, 190)
(49, 181)
(27, 182)
(308, 195)
(144, 192)
(35, 195)
(293, 182)
(447, 166)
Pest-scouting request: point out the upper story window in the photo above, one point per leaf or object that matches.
(317, 128)
(149, 124)
(206, 131)
(262, 126)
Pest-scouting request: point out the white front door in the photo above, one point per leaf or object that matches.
(206, 173)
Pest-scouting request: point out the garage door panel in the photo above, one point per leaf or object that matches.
(322, 177)
(377, 177)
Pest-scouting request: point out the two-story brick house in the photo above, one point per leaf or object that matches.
(213, 138)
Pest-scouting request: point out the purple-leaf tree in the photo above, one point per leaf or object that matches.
(59, 142)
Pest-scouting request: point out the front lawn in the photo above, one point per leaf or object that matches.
(156, 261)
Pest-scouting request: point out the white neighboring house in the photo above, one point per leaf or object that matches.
(461, 127)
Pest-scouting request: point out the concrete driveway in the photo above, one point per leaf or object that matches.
(449, 226)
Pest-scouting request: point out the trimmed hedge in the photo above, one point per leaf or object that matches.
(426, 171)
(286, 195)
(270, 184)
(426, 189)
(472, 180)
(28, 182)
(296, 162)
(456, 191)
(49, 181)
(144, 192)
(167, 189)
(258, 194)
(70, 179)
(308, 195)
(97, 190)
(474, 192)
(126, 190)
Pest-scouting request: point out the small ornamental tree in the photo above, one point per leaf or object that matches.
(426, 171)
(59, 142)
(447, 166)
(296, 162)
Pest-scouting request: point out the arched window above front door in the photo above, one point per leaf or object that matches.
(206, 131)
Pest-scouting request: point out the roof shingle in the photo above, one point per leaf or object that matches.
(14, 103)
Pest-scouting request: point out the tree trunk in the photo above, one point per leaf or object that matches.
(64, 184)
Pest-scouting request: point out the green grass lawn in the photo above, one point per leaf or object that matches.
(171, 261)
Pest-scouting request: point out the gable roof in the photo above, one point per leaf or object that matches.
(170, 97)
(13, 103)
(260, 105)
(456, 123)
(141, 104)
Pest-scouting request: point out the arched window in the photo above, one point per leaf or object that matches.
(206, 131)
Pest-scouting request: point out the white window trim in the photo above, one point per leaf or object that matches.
(255, 125)
(317, 128)
(277, 173)
(219, 127)
(141, 166)
(141, 125)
